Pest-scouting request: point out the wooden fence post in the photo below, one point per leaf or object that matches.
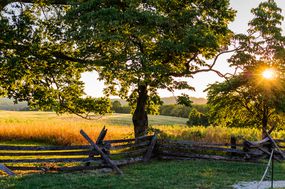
(6, 170)
(99, 141)
(233, 144)
(101, 136)
(103, 155)
(274, 145)
(150, 149)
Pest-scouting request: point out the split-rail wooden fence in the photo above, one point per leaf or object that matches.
(115, 153)
(232, 151)
(99, 154)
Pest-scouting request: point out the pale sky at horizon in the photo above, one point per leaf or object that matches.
(94, 88)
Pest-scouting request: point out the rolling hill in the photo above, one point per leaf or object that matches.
(168, 100)
(8, 104)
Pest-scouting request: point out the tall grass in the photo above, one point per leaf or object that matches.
(52, 129)
(64, 130)
(208, 134)
(59, 133)
(213, 134)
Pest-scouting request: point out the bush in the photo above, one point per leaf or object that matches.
(197, 118)
(118, 108)
(175, 110)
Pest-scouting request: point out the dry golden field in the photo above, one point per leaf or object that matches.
(47, 127)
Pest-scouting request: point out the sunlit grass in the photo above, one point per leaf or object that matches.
(213, 134)
(202, 174)
(47, 127)
(208, 134)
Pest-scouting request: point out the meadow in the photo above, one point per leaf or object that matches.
(48, 127)
(36, 128)
(195, 174)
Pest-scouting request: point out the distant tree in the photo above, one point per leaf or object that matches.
(116, 104)
(248, 98)
(184, 100)
(203, 108)
(197, 118)
(182, 111)
(125, 110)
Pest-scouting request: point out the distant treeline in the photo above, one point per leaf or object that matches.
(167, 101)
(167, 110)
(197, 113)
(182, 111)
(8, 104)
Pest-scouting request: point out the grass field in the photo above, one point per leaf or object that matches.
(37, 128)
(199, 174)
(50, 128)
(111, 119)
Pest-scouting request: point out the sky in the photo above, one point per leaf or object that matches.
(94, 88)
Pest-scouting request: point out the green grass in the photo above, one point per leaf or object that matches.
(109, 119)
(126, 119)
(201, 174)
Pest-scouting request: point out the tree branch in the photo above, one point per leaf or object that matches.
(207, 69)
(57, 54)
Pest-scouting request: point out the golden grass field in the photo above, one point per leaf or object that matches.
(47, 127)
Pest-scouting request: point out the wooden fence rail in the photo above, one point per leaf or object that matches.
(115, 153)
(232, 151)
(99, 154)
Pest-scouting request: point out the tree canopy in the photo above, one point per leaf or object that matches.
(33, 64)
(250, 98)
(136, 46)
(145, 45)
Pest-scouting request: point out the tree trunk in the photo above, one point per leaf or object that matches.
(140, 119)
(264, 122)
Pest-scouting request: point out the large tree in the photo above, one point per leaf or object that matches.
(136, 46)
(249, 98)
(147, 44)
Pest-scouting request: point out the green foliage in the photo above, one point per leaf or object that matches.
(116, 104)
(203, 108)
(118, 108)
(249, 99)
(148, 43)
(197, 118)
(175, 110)
(181, 111)
(227, 106)
(184, 99)
(33, 64)
(133, 45)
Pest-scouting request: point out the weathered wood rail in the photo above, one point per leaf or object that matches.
(232, 151)
(116, 153)
(99, 154)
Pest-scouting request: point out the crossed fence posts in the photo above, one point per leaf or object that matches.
(99, 148)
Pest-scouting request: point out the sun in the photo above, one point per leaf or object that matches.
(268, 74)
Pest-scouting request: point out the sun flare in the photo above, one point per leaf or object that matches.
(268, 74)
